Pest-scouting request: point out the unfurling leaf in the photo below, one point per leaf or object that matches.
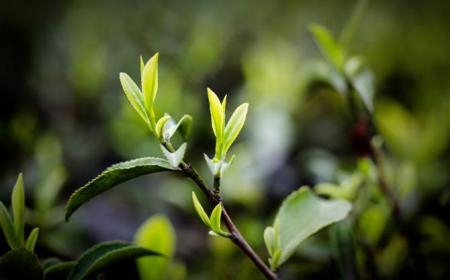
(176, 157)
(18, 208)
(31, 240)
(150, 84)
(104, 254)
(330, 48)
(301, 215)
(113, 176)
(217, 115)
(134, 96)
(7, 225)
(234, 126)
(200, 211)
(158, 234)
(183, 127)
(159, 128)
(215, 218)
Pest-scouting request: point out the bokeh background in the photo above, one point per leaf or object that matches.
(64, 118)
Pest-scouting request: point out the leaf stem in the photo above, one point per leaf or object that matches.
(214, 197)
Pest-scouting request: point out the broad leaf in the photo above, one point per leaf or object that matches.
(134, 95)
(156, 234)
(105, 254)
(7, 226)
(150, 82)
(217, 115)
(18, 208)
(113, 176)
(234, 126)
(301, 215)
(32, 239)
(200, 211)
(329, 47)
(20, 264)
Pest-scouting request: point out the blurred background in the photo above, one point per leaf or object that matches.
(64, 118)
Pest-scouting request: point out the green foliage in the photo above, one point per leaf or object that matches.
(158, 234)
(213, 222)
(58, 270)
(20, 264)
(7, 226)
(105, 254)
(301, 215)
(114, 175)
(330, 48)
(18, 208)
(32, 239)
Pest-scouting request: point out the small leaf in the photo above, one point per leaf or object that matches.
(234, 126)
(269, 239)
(113, 176)
(58, 270)
(18, 208)
(105, 254)
(160, 125)
(303, 214)
(362, 80)
(31, 240)
(150, 83)
(215, 218)
(217, 115)
(183, 126)
(200, 211)
(134, 96)
(176, 157)
(7, 226)
(328, 46)
(20, 264)
(158, 234)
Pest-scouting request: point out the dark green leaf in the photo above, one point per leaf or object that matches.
(18, 208)
(31, 240)
(20, 264)
(58, 270)
(113, 176)
(103, 255)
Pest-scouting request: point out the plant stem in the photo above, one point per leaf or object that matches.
(214, 197)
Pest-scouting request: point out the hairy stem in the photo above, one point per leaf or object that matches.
(214, 197)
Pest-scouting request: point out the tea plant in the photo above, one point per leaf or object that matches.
(301, 214)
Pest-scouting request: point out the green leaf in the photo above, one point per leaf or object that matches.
(160, 125)
(183, 126)
(105, 254)
(176, 157)
(31, 240)
(150, 84)
(269, 239)
(234, 126)
(18, 208)
(329, 47)
(217, 115)
(58, 270)
(200, 211)
(158, 234)
(20, 264)
(301, 215)
(113, 176)
(7, 226)
(362, 80)
(215, 218)
(134, 96)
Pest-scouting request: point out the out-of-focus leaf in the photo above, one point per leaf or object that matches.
(200, 211)
(31, 240)
(114, 175)
(343, 243)
(134, 96)
(7, 226)
(105, 254)
(150, 83)
(303, 214)
(373, 220)
(18, 208)
(346, 190)
(362, 80)
(156, 234)
(234, 126)
(176, 157)
(215, 218)
(58, 270)
(20, 264)
(330, 48)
